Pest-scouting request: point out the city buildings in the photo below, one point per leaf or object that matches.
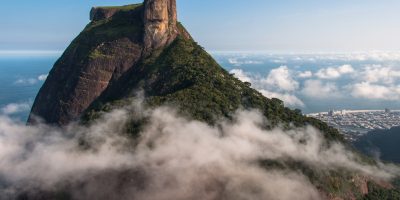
(355, 123)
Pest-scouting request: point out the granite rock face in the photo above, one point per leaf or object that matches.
(114, 42)
(160, 19)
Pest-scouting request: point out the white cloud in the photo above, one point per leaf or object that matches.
(334, 73)
(288, 99)
(193, 155)
(243, 61)
(346, 69)
(305, 74)
(373, 91)
(42, 77)
(328, 73)
(320, 90)
(377, 82)
(241, 75)
(379, 73)
(346, 57)
(281, 79)
(24, 81)
(31, 81)
(233, 61)
(15, 108)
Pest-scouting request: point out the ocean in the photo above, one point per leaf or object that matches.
(313, 83)
(20, 80)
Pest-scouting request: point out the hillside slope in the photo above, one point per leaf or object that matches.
(381, 143)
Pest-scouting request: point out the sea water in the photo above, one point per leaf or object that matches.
(20, 80)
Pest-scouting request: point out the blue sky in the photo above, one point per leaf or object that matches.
(230, 25)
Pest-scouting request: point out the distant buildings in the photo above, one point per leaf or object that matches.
(354, 123)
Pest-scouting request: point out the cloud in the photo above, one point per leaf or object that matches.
(31, 81)
(376, 82)
(369, 82)
(243, 61)
(379, 73)
(173, 158)
(373, 91)
(241, 75)
(334, 73)
(14, 108)
(288, 99)
(305, 74)
(24, 81)
(345, 69)
(320, 90)
(378, 56)
(42, 77)
(281, 79)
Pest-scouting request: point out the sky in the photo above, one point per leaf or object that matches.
(222, 25)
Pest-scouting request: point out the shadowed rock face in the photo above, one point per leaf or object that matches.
(113, 43)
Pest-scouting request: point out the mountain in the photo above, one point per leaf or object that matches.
(381, 143)
(115, 42)
(142, 48)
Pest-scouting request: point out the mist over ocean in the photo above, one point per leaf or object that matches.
(311, 82)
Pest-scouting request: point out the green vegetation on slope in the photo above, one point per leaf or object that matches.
(122, 8)
(338, 182)
(126, 23)
(379, 193)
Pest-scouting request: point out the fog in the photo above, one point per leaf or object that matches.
(172, 158)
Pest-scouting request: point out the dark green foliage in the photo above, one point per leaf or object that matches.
(39, 195)
(126, 23)
(386, 142)
(396, 182)
(122, 8)
(378, 193)
(339, 182)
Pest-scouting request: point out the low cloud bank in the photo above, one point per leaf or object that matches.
(334, 73)
(278, 84)
(173, 158)
(368, 82)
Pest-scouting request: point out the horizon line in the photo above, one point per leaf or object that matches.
(29, 52)
(47, 52)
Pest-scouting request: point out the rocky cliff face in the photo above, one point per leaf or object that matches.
(113, 43)
(160, 21)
